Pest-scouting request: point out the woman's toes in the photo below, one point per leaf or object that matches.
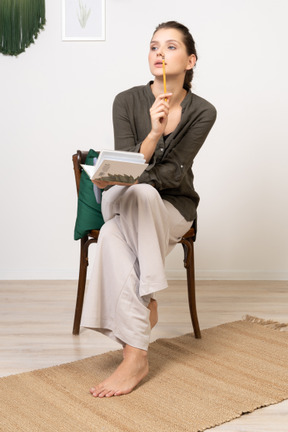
(110, 393)
(96, 391)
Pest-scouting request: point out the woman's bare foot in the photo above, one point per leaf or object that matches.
(129, 373)
(153, 313)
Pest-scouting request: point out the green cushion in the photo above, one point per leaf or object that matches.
(89, 214)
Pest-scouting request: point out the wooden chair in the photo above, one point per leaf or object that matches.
(186, 241)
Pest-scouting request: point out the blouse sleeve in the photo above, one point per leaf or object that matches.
(125, 132)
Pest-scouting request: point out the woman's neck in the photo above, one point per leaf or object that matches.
(173, 86)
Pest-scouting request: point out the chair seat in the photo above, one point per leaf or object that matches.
(188, 234)
(94, 234)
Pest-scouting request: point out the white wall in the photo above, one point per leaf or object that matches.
(57, 97)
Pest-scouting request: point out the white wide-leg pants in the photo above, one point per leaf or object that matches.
(140, 230)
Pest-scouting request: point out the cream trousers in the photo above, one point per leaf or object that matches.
(140, 230)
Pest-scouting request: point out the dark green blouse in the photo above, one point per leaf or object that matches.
(170, 168)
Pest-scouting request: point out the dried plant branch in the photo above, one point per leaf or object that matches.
(83, 14)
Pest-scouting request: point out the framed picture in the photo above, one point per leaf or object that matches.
(83, 20)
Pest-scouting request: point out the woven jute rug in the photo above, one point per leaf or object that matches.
(192, 385)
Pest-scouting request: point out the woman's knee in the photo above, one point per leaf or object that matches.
(108, 230)
(143, 192)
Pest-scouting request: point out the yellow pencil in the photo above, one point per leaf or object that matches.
(164, 76)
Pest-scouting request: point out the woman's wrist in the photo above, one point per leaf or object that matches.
(154, 136)
(149, 144)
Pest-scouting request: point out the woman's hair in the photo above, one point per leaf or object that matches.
(189, 43)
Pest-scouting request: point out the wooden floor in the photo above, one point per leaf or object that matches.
(36, 323)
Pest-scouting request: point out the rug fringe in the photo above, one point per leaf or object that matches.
(274, 325)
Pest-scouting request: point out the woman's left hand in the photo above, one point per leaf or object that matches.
(103, 184)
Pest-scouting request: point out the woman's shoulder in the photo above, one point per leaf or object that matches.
(196, 106)
(202, 104)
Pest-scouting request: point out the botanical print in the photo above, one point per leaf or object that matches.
(83, 19)
(83, 14)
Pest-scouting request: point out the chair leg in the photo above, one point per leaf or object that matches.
(188, 247)
(81, 286)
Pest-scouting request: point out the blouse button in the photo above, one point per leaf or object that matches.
(181, 166)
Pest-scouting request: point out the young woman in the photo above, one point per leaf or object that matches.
(143, 222)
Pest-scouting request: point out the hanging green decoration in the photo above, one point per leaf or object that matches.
(20, 23)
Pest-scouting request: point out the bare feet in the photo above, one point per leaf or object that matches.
(153, 313)
(129, 373)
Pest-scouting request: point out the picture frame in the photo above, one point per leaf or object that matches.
(83, 20)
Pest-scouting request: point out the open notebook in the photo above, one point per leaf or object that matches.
(118, 166)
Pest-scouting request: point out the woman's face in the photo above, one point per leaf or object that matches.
(168, 44)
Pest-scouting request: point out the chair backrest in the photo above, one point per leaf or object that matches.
(78, 159)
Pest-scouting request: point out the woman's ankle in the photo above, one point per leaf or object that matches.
(153, 307)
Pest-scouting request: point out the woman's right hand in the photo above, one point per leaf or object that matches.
(101, 184)
(159, 114)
